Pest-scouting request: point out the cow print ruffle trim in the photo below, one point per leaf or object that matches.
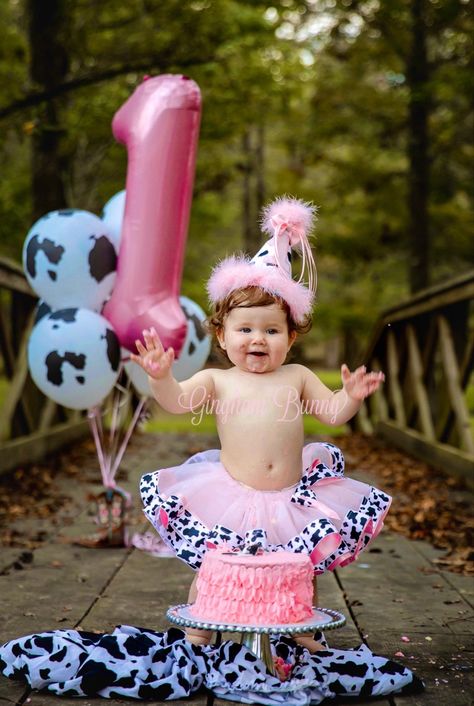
(189, 538)
(138, 663)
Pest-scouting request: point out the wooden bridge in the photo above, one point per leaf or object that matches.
(395, 598)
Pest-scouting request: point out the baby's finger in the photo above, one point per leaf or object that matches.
(140, 347)
(156, 340)
(345, 373)
(149, 342)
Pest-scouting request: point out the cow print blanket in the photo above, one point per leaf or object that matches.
(142, 664)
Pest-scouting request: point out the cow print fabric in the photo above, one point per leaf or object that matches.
(142, 664)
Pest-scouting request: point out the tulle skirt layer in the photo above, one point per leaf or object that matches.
(199, 505)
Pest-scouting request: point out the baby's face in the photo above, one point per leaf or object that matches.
(256, 339)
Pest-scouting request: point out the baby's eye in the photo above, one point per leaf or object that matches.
(272, 330)
(245, 329)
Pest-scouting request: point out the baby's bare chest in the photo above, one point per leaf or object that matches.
(264, 397)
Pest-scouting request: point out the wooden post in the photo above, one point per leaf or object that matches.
(416, 373)
(379, 397)
(451, 371)
(446, 421)
(15, 391)
(393, 380)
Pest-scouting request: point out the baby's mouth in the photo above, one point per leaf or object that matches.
(257, 353)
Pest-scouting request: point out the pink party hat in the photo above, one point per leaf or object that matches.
(289, 222)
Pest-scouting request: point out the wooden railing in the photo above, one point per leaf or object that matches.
(31, 425)
(425, 346)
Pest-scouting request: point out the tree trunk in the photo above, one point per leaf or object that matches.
(260, 166)
(419, 108)
(49, 66)
(248, 197)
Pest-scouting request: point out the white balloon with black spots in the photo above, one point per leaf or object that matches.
(74, 357)
(193, 356)
(70, 260)
(112, 215)
(197, 344)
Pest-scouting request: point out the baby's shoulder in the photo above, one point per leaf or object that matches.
(292, 374)
(294, 370)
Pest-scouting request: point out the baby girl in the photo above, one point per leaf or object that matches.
(263, 484)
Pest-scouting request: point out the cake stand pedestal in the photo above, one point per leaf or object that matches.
(257, 637)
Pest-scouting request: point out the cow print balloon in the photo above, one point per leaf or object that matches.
(193, 356)
(70, 260)
(197, 344)
(74, 357)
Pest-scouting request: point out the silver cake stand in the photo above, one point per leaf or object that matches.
(257, 637)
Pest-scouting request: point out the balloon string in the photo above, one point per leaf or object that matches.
(127, 436)
(113, 422)
(93, 416)
(113, 435)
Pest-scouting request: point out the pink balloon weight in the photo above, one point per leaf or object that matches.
(159, 125)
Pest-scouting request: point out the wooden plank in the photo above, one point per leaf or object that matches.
(464, 376)
(11, 692)
(362, 420)
(12, 277)
(155, 583)
(397, 592)
(453, 377)
(432, 299)
(380, 401)
(464, 585)
(445, 458)
(444, 664)
(15, 389)
(416, 373)
(454, 290)
(35, 446)
(47, 414)
(6, 346)
(393, 380)
(56, 589)
(50, 700)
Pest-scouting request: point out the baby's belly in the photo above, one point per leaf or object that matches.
(264, 461)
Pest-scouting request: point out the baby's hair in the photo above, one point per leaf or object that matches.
(249, 297)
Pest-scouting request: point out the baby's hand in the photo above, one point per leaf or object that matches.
(360, 384)
(152, 357)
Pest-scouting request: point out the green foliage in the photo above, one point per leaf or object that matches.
(325, 80)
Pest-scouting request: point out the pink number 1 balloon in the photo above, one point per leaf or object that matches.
(159, 125)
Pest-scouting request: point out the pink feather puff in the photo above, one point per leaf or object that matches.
(298, 214)
(239, 272)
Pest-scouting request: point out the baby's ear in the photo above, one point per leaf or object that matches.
(292, 336)
(220, 337)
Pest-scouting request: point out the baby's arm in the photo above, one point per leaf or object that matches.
(176, 397)
(338, 407)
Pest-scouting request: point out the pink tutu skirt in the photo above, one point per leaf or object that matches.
(198, 505)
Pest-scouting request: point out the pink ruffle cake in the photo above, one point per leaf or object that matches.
(272, 588)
